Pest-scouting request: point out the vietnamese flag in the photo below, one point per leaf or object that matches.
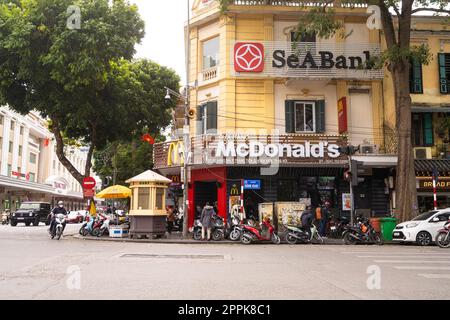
(148, 138)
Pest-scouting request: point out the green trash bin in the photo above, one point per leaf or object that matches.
(387, 228)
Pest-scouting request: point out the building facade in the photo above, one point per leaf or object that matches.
(273, 107)
(29, 167)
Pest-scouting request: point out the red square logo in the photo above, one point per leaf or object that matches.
(248, 57)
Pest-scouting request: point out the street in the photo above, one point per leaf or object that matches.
(34, 267)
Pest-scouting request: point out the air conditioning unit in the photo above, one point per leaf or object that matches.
(368, 149)
(422, 153)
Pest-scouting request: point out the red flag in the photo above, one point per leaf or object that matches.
(148, 138)
(46, 142)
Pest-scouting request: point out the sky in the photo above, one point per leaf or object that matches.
(164, 34)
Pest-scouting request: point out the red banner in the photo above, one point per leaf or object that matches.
(342, 115)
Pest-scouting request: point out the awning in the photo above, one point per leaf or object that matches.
(425, 167)
(380, 161)
(436, 108)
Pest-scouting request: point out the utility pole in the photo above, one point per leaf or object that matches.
(186, 129)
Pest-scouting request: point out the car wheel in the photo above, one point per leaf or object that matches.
(13, 223)
(423, 238)
(27, 224)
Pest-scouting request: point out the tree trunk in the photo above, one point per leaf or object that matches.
(406, 192)
(56, 130)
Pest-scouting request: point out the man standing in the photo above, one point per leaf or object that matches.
(307, 218)
(325, 213)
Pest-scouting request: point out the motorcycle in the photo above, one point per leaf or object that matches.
(58, 228)
(217, 229)
(91, 226)
(337, 227)
(362, 232)
(5, 218)
(443, 236)
(103, 229)
(266, 232)
(296, 235)
(234, 229)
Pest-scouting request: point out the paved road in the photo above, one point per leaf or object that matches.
(34, 267)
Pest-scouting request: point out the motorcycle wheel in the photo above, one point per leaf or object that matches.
(84, 232)
(275, 239)
(197, 234)
(443, 240)
(245, 240)
(378, 240)
(235, 235)
(348, 239)
(96, 232)
(291, 239)
(58, 234)
(217, 235)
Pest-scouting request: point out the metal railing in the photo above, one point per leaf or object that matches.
(299, 3)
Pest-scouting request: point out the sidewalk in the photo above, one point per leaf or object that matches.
(176, 239)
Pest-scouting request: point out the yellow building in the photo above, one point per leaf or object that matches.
(267, 98)
(430, 93)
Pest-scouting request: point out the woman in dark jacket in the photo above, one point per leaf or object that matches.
(205, 220)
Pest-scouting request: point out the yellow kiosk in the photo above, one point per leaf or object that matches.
(148, 204)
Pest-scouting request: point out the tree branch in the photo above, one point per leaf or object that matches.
(388, 25)
(430, 10)
(55, 128)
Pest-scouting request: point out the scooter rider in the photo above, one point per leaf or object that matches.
(57, 210)
(307, 219)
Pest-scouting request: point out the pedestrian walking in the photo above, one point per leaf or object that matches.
(170, 219)
(325, 215)
(206, 221)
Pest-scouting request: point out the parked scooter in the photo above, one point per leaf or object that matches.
(362, 232)
(6, 217)
(234, 229)
(266, 232)
(91, 225)
(296, 235)
(103, 229)
(217, 229)
(58, 228)
(337, 227)
(443, 236)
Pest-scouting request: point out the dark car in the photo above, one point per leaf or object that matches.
(31, 213)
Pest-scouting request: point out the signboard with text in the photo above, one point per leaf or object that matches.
(252, 184)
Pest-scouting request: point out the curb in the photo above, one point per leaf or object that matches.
(179, 241)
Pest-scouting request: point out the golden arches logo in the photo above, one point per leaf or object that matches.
(175, 154)
(234, 190)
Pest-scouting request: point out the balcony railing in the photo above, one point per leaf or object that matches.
(298, 3)
(209, 74)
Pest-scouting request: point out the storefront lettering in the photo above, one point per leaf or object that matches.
(327, 61)
(258, 149)
(429, 184)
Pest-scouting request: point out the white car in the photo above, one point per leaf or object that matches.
(422, 229)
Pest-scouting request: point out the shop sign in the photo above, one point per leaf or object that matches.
(234, 191)
(346, 202)
(342, 115)
(252, 184)
(306, 59)
(258, 149)
(175, 154)
(176, 180)
(442, 184)
(26, 176)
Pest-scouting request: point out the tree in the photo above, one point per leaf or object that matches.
(396, 16)
(83, 79)
(124, 160)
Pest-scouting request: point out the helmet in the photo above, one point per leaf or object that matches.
(60, 203)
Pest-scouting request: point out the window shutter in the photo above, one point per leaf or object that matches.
(211, 117)
(416, 83)
(442, 73)
(320, 116)
(199, 119)
(289, 116)
(428, 129)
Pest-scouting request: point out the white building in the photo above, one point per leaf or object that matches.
(29, 166)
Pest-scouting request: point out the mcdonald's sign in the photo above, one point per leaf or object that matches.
(234, 190)
(175, 154)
